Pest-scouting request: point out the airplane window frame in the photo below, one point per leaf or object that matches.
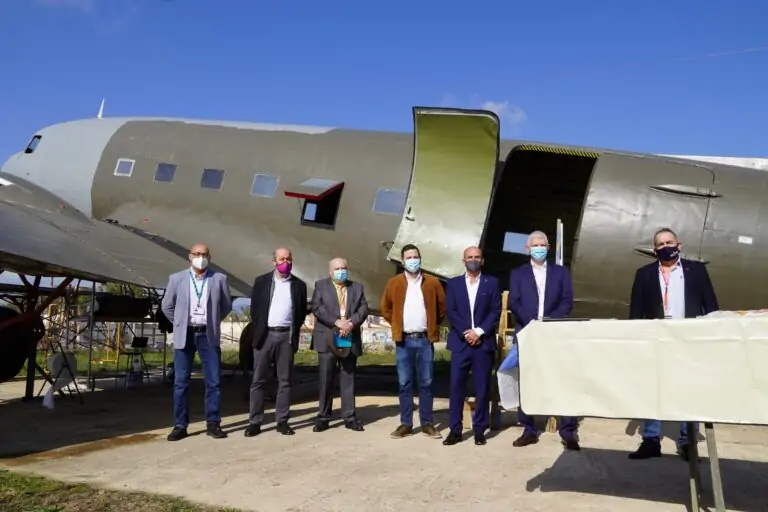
(207, 172)
(33, 143)
(172, 167)
(124, 160)
(273, 180)
(325, 209)
(382, 193)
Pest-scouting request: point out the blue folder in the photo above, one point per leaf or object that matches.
(342, 341)
(512, 360)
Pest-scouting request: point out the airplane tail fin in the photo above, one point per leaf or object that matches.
(101, 109)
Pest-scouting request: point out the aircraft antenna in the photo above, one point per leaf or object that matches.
(101, 109)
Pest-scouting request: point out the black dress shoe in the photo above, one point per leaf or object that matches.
(479, 439)
(453, 438)
(177, 434)
(525, 440)
(321, 426)
(215, 432)
(571, 444)
(252, 430)
(354, 425)
(284, 428)
(648, 448)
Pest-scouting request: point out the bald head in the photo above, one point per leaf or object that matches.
(473, 259)
(337, 268)
(336, 264)
(199, 256)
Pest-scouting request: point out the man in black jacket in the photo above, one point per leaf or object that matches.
(278, 310)
(673, 287)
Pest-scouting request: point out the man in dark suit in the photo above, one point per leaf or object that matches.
(340, 309)
(672, 287)
(538, 290)
(473, 308)
(278, 310)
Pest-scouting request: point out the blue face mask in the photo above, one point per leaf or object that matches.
(413, 265)
(539, 253)
(340, 275)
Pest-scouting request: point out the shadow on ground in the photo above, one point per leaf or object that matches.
(115, 415)
(608, 473)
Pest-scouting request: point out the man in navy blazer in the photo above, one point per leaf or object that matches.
(672, 287)
(473, 308)
(538, 290)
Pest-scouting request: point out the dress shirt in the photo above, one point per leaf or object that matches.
(198, 316)
(281, 307)
(414, 310)
(675, 306)
(472, 290)
(540, 275)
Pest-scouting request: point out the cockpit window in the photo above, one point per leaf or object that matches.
(33, 144)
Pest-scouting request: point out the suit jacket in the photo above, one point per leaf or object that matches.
(524, 295)
(487, 312)
(325, 307)
(175, 305)
(261, 299)
(647, 301)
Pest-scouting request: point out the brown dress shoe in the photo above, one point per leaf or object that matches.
(429, 430)
(525, 440)
(401, 431)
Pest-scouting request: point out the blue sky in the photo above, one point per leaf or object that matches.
(625, 75)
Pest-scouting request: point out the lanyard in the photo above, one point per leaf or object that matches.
(199, 292)
(665, 277)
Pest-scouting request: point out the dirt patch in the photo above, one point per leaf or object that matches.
(20, 492)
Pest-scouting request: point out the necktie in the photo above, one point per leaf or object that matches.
(341, 294)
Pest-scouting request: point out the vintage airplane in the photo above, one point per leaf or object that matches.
(122, 199)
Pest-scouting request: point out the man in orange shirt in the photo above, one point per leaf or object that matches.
(414, 305)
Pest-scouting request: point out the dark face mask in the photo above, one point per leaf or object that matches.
(473, 265)
(668, 253)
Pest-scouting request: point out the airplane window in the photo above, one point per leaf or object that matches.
(321, 213)
(124, 167)
(310, 212)
(33, 144)
(389, 201)
(165, 173)
(212, 178)
(264, 185)
(515, 242)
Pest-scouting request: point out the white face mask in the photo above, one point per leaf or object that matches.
(200, 262)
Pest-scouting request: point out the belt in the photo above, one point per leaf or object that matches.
(197, 328)
(421, 334)
(281, 328)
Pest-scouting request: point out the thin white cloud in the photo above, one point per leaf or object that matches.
(511, 116)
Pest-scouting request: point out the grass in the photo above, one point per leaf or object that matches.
(103, 361)
(20, 492)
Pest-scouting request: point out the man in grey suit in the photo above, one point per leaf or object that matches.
(196, 300)
(340, 308)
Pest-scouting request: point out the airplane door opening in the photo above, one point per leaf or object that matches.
(537, 187)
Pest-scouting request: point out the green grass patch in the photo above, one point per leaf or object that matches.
(20, 492)
(104, 361)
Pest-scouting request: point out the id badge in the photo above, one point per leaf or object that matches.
(199, 310)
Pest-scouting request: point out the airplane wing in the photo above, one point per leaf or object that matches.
(43, 235)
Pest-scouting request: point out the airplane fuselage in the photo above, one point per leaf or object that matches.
(243, 189)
